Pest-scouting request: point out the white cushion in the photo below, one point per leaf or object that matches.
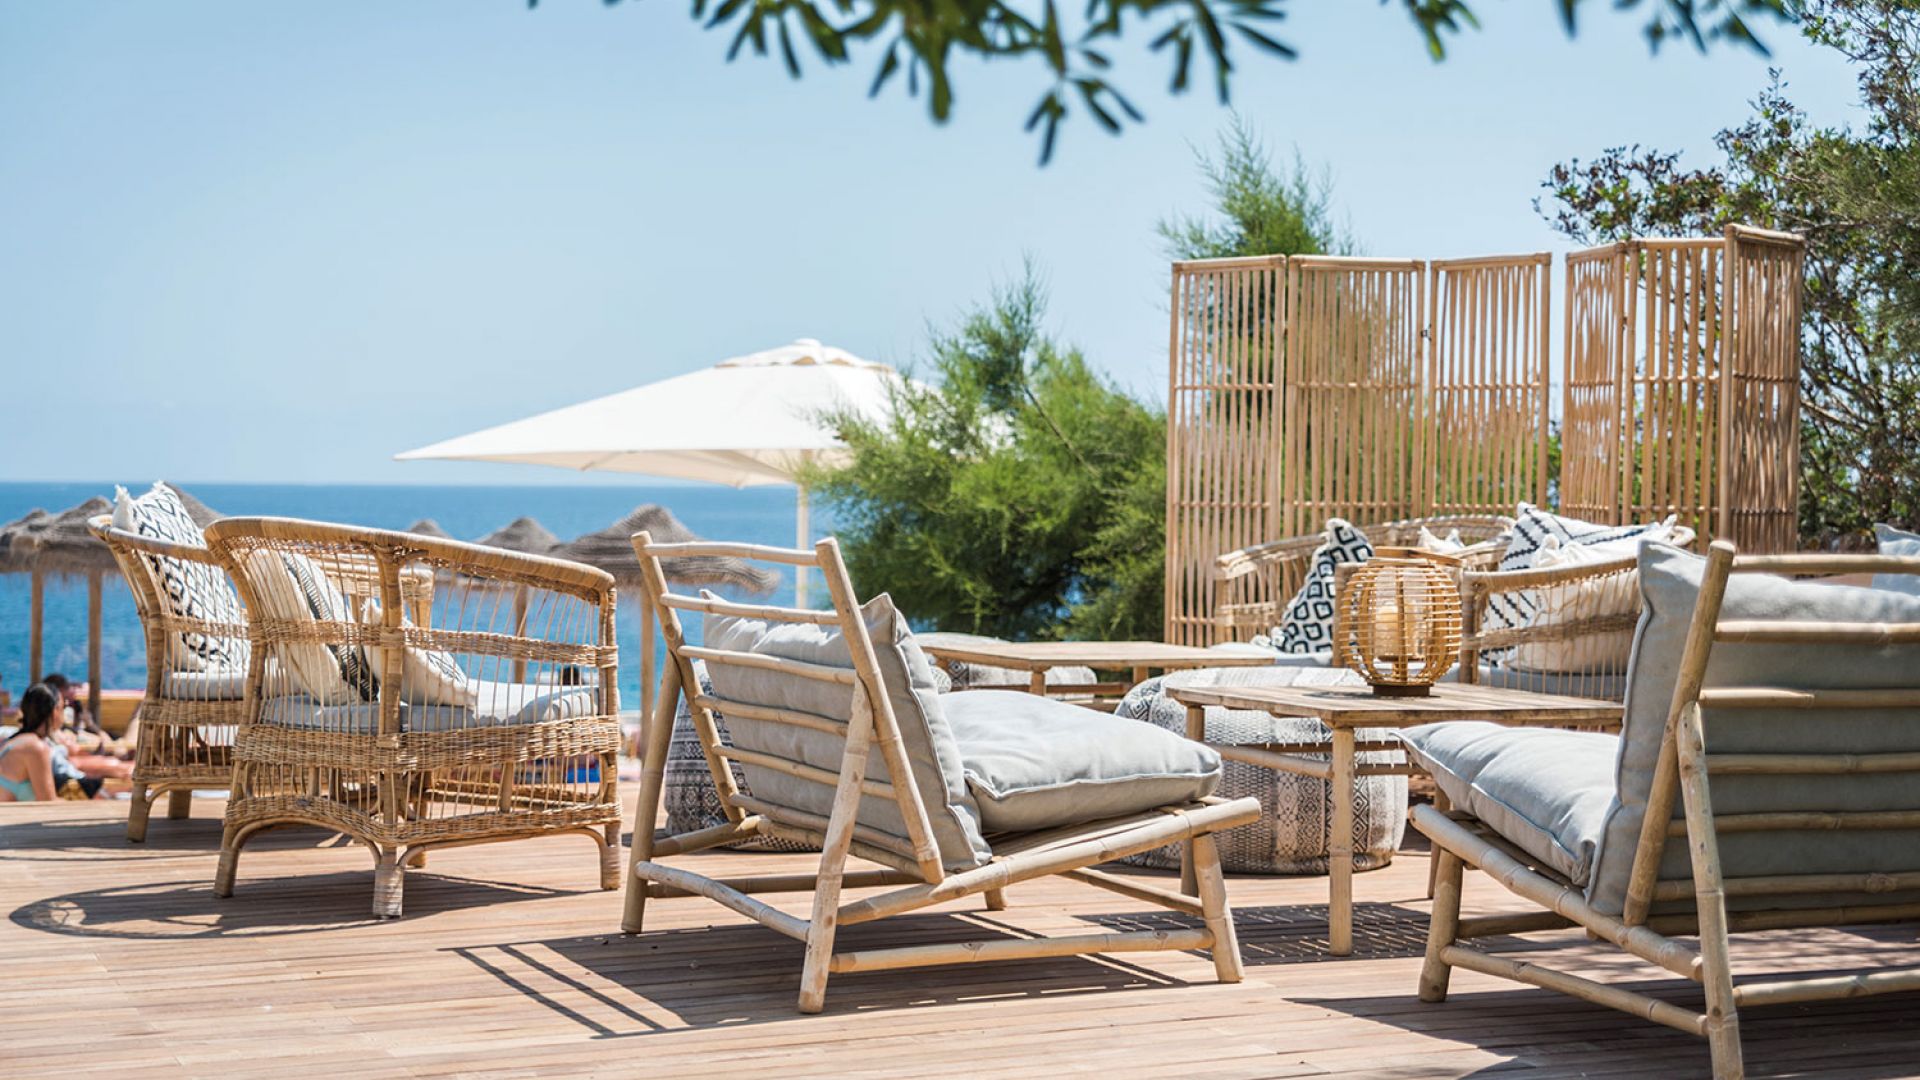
(427, 676)
(1578, 601)
(495, 705)
(291, 587)
(1532, 527)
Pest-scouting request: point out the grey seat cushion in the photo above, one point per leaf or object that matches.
(1546, 790)
(215, 685)
(496, 704)
(1892, 541)
(1670, 582)
(1033, 763)
(912, 691)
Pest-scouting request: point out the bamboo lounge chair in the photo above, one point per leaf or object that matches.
(1767, 777)
(812, 698)
(415, 693)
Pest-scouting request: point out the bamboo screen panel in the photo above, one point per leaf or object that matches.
(1592, 435)
(1682, 385)
(1353, 433)
(1488, 382)
(1223, 346)
(1761, 439)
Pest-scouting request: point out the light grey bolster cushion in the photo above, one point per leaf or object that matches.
(910, 687)
(1034, 763)
(1670, 582)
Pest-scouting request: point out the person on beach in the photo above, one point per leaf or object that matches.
(84, 750)
(26, 758)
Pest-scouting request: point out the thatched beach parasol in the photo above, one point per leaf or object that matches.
(611, 549)
(429, 528)
(522, 534)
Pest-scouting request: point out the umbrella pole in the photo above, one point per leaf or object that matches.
(805, 543)
(94, 583)
(35, 616)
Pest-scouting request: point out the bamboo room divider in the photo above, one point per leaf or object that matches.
(1682, 388)
(1370, 389)
(1376, 389)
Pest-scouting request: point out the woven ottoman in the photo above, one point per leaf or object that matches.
(1295, 826)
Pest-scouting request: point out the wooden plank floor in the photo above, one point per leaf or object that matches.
(509, 963)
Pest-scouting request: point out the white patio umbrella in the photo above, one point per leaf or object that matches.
(744, 422)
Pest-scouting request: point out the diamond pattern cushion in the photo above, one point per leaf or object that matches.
(192, 590)
(1306, 625)
(1034, 763)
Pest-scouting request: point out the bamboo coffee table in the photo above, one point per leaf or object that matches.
(1140, 658)
(1344, 704)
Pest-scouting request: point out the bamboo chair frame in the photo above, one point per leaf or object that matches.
(1478, 588)
(912, 870)
(184, 742)
(403, 793)
(1253, 584)
(1682, 776)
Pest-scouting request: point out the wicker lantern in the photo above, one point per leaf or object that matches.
(1399, 617)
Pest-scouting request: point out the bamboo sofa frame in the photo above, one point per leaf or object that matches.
(1683, 773)
(1252, 585)
(912, 871)
(524, 619)
(185, 740)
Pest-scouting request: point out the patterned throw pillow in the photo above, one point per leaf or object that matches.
(1532, 527)
(291, 588)
(1306, 625)
(327, 603)
(427, 676)
(192, 590)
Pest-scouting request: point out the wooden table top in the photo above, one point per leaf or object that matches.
(1041, 655)
(1347, 702)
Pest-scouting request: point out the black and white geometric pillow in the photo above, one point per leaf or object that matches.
(192, 590)
(327, 604)
(1532, 527)
(1306, 625)
(427, 676)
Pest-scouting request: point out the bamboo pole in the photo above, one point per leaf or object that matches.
(94, 584)
(966, 952)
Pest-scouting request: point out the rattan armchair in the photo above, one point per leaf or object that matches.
(1573, 636)
(189, 713)
(1251, 585)
(427, 693)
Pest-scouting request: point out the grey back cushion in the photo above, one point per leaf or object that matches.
(910, 686)
(1894, 541)
(1670, 583)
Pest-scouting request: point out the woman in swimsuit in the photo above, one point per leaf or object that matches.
(26, 760)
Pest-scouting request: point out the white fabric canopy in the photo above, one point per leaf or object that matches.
(744, 422)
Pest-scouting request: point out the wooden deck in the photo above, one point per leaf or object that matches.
(509, 963)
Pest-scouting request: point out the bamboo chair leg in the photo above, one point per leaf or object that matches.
(996, 899)
(179, 804)
(1443, 926)
(653, 774)
(389, 882)
(1442, 804)
(1215, 910)
(610, 859)
(229, 862)
(138, 813)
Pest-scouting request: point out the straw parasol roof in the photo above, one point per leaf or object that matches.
(56, 543)
(430, 528)
(611, 549)
(524, 535)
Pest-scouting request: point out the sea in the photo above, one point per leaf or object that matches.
(763, 515)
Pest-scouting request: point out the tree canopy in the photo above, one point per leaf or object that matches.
(916, 42)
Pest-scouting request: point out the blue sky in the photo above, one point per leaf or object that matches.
(264, 242)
